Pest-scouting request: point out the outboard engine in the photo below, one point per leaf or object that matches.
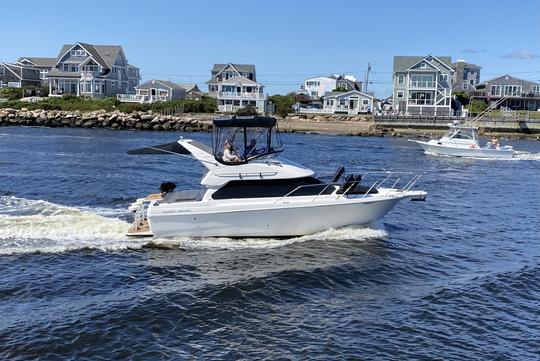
(167, 187)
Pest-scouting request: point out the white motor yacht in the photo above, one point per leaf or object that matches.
(249, 191)
(462, 141)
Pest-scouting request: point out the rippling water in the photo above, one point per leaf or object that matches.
(457, 277)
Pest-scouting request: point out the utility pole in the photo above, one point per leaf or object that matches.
(367, 77)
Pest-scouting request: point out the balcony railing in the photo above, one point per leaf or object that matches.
(136, 98)
(422, 84)
(421, 102)
(241, 95)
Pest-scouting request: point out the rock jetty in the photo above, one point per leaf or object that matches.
(103, 119)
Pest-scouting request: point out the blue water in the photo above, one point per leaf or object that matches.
(454, 278)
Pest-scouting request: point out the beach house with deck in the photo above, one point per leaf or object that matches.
(235, 87)
(92, 70)
(44, 65)
(423, 85)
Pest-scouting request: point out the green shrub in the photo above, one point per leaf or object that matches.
(247, 110)
(283, 103)
(477, 106)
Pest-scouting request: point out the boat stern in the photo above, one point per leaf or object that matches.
(140, 226)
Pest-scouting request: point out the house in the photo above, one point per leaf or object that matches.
(520, 94)
(92, 70)
(17, 76)
(43, 64)
(235, 87)
(318, 86)
(192, 91)
(157, 90)
(423, 85)
(350, 102)
(466, 76)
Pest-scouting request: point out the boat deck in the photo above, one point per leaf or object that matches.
(143, 230)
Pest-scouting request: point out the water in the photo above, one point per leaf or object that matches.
(456, 277)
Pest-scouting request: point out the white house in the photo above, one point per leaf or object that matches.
(318, 86)
(351, 102)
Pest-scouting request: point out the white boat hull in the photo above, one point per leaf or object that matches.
(293, 217)
(433, 148)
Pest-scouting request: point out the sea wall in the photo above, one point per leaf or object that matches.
(103, 119)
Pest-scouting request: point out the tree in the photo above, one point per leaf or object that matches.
(283, 103)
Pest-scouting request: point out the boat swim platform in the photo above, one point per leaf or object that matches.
(141, 230)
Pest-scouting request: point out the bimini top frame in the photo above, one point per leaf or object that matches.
(240, 139)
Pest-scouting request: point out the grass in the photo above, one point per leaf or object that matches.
(73, 103)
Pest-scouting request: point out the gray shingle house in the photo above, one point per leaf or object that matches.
(521, 94)
(43, 64)
(234, 86)
(16, 75)
(159, 91)
(466, 76)
(92, 70)
(422, 85)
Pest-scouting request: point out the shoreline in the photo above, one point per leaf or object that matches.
(197, 122)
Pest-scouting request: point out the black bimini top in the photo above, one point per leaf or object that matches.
(248, 121)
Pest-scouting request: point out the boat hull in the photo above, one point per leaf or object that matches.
(281, 219)
(434, 148)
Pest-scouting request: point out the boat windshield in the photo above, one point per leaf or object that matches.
(239, 139)
(461, 133)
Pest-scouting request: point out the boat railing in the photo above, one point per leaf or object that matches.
(398, 178)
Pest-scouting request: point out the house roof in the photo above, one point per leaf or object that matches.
(470, 65)
(189, 86)
(166, 83)
(403, 63)
(37, 61)
(240, 80)
(337, 94)
(485, 82)
(241, 68)
(104, 55)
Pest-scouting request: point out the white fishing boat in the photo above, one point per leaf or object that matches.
(462, 141)
(248, 191)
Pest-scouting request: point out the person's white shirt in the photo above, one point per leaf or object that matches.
(228, 156)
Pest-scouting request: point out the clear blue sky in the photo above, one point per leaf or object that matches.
(286, 40)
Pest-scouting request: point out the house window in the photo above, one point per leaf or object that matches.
(443, 78)
(114, 70)
(88, 87)
(401, 79)
(400, 94)
(495, 90)
(74, 68)
(536, 89)
(97, 88)
(113, 85)
(464, 86)
(512, 90)
(66, 67)
(43, 74)
(423, 65)
(314, 93)
(78, 52)
(365, 101)
(2, 71)
(471, 81)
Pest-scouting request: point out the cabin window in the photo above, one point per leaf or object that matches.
(495, 90)
(272, 188)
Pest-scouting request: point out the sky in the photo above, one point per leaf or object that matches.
(287, 40)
